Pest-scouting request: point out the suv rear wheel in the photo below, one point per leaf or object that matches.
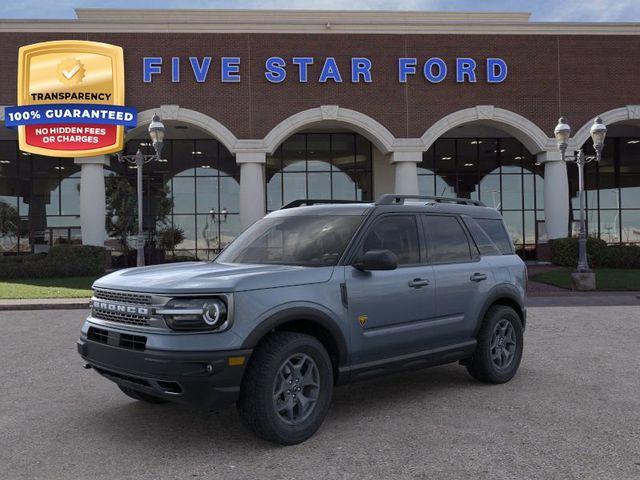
(287, 388)
(500, 344)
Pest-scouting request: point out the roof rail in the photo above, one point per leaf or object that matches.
(392, 199)
(308, 201)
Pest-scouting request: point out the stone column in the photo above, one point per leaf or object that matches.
(556, 194)
(252, 187)
(406, 166)
(92, 199)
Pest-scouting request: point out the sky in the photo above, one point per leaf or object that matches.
(542, 10)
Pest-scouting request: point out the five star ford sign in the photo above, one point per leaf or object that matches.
(70, 99)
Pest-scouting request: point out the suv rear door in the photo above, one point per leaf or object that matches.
(462, 277)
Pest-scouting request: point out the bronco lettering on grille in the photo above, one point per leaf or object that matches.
(114, 307)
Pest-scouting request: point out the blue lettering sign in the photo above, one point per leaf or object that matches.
(200, 71)
(406, 66)
(151, 66)
(360, 67)
(175, 69)
(303, 65)
(275, 69)
(428, 70)
(496, 70)
(230, 69)
(465, 67)
(330, 71)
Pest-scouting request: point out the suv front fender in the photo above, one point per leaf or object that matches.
(305, 313)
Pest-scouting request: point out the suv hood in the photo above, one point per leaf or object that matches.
(209, 277)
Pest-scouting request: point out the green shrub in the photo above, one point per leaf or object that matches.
(61, 261)
(564, 252)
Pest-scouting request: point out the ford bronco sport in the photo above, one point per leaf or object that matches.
(314, 295)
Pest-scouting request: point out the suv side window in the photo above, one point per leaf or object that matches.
(447, 241)
(398, 233)
(485, 245)
(496, 231)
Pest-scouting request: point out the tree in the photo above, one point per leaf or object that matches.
(9, 224)
(122, 208)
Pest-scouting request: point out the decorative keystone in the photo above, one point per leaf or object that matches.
(485, 112)
(329, 112)
(169, 112)
(634, 112)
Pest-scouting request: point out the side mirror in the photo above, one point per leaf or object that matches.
(377, 260)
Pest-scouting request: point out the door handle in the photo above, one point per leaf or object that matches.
(418, 282)
(478, 277)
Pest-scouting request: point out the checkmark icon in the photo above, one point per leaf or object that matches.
(71, 73)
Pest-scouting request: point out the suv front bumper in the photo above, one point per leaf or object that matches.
(202, 379)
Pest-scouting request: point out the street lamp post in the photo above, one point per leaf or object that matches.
(156, 133)
(598, 132)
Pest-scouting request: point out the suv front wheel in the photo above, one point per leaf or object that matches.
(287, 388)
(499, 349)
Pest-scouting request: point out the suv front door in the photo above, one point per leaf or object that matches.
(389, 310)
(463, 278)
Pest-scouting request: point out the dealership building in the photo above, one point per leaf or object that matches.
(265, 107)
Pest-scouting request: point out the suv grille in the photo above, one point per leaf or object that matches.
(125, 297)
(127, 318)
(122, 340)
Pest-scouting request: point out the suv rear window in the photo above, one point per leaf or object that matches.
(480, 237)
(447, 242)
(496, 231)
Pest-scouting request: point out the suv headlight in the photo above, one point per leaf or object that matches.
(196, 314)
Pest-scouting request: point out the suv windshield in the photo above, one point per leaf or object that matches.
(305, 240)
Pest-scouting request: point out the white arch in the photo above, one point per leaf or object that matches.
(531, 136)
(630, 112)
(197, 119)
(382, 138)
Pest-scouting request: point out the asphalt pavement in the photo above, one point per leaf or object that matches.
(573, 411)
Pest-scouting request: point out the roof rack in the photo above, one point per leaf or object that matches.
(309, 201)
(391, 199)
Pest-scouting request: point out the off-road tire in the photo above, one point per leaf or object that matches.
(256, 402)
(482, 366)
(141, 396)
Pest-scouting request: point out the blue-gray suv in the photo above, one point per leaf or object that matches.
(314, 295)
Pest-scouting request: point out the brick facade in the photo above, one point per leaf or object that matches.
(575, 75)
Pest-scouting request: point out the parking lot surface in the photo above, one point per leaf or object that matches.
(573, 411)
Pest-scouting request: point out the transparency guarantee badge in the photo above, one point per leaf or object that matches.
(71, 99)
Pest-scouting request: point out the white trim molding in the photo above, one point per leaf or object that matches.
(622, 114)
(531, 136)
(199, 21)
(374, 131)
(200, 120)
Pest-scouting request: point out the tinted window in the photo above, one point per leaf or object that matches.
(306, 240)
(485, 245)
(397, 233)
(496, 231)
(447, 241)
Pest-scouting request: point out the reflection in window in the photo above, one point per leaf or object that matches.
(39, 199)
(500, 172)
(202, 180)
(612, 191)
(332, 166)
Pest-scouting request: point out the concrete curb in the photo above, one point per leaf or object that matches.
(44, 304)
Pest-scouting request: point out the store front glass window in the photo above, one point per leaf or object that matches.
(612, 191)
(194, 189)
(500, 172)
(39, 201)
(335, 166)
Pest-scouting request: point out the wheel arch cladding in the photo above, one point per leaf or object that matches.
(503, 296)
(309, 321)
